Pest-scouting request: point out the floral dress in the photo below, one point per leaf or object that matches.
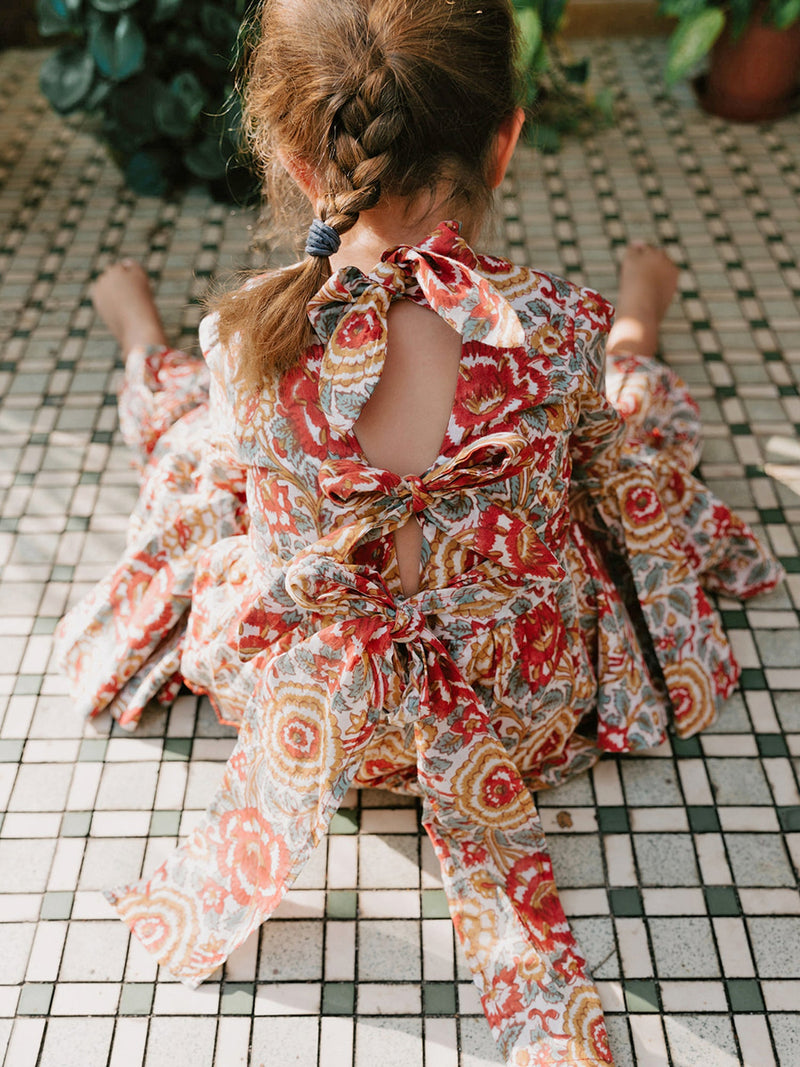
(562, 611)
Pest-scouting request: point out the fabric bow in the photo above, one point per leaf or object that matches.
(349, 314)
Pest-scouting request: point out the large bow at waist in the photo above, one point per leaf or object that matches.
(349, 314)
(450, 498)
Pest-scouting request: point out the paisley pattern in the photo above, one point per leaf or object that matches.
(562, 611)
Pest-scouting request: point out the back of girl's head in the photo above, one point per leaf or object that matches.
(370, 98)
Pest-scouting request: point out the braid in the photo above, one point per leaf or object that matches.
(376, 100)
(365, 127)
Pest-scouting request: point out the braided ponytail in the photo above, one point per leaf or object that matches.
(395, 96)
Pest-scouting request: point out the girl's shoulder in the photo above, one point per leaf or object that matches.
(556, 314)
(539, 295)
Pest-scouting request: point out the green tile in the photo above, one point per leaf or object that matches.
(57, 905)
(439, 998)
(76, 823)
(752, 471)
(641, 995)
(27, 685)
(165, 823)
(77, 522)
(735, 620)
(137, 998)
(745, 994)
(434, 904)
(344, 822)
(342, 904)
(686, 746)
(44, 624)
(93, 750)
(338, 998)
(11, 751)
(35, 998)
(62, 573)
(703, 819)
(789, 819)
(613, 820)
(772, 745)
(237, 998)
(791, 564)
(752, 678)
(177, 748)
(773, 515)
(740, 429)
(722, 900)
(625, 902)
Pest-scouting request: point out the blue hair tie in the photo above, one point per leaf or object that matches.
(323, 241)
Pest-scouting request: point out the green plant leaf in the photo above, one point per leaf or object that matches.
(112, 7)
(577, 73)
(530, 29)
(681, 9)
(145, 174)
(691, 41)
(118, 47)
(130, 112)
(186, 87)
(205, 159)
(166, 9)
(739, 15)
(66, 77)
(53, 17)
(552, 12)
(220, 25)
(545, 138)
(782, 13)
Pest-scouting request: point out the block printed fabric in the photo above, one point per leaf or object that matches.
(562, 611)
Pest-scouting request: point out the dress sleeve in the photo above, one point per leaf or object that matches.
(599, 429)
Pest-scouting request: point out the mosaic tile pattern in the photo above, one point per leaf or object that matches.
(679, 869)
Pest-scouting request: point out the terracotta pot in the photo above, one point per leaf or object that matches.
(755, 77)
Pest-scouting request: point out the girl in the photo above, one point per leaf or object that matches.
(407, 541)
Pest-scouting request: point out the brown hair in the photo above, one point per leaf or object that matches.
(374, 98)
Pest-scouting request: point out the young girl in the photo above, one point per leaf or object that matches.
(407, 541)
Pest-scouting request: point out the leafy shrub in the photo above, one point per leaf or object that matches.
(158, 75)
(556, 94)
(700, 23)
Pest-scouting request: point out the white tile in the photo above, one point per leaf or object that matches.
(734, 949)
(781, 995)
(437, 950)
(177, 999)
(85, 998)
(77, 1042)
(340, 951)
(233, 1043)
(770, 901)
(336, 1042)
(25, 1042)
(693, 996)
(648, 1041)
(633, 948)
(130, 1037)
(342, 861)
(754, 1041)
(619, 860)
(712, 859)
(674, 901)
(387, 999)
(288, 998)
(66, 864)
(389, 904)
(45, 957)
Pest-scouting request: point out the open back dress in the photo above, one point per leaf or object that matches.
(563, 610)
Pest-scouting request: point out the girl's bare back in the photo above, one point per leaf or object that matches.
(402, 426)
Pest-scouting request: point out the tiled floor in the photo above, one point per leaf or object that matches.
(679, 869)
